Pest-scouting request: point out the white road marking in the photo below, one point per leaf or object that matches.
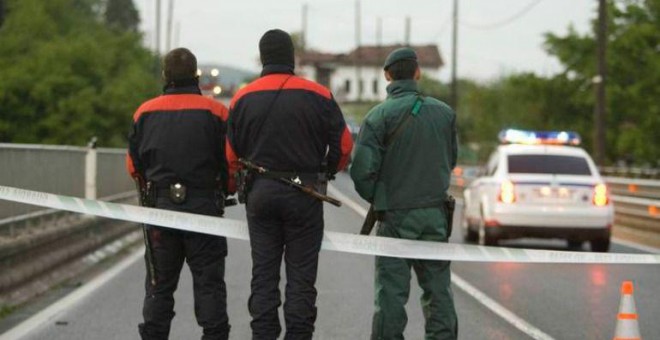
(500, 310)
(47, 315)
(462, 284)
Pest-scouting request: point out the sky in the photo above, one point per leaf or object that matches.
(495, 37)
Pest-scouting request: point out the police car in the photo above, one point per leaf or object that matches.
(539, 184)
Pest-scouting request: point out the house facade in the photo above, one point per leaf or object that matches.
(358, 75)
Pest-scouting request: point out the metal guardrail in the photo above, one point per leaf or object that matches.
(11, 227)
(639, 213)
(630, 172)
(65, 170)
(640, 188)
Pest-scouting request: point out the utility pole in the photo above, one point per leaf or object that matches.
(170, 14)
(303, 35)
(600, 109)
(157, 27)
(407, 30)
(379, 31)
(454, 48)
(177, 34)
(358, 57)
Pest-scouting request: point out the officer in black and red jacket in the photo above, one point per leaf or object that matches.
(177, 147)
(294, 128)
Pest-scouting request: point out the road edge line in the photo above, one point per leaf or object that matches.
(40, 319)
(499, 310)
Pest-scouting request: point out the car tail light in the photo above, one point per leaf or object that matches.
(600, 198)
(507, 192)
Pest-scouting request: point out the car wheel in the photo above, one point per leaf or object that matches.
(601, 245)
(485, 237)
(574, 244)
(469, 235)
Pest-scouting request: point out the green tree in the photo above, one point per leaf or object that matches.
(565, 101)
(122, 14)
(633, 86)
(67, 77)
(2, 12)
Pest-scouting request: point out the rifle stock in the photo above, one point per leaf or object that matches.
(369, 221)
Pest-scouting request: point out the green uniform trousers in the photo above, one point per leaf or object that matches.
(393, 278)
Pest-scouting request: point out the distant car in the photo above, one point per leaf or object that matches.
(541, 185)
(354, 129)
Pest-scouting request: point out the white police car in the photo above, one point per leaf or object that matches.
(539, 184)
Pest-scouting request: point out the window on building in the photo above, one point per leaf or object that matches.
(375, 85)
(361, 86)
(347, 86)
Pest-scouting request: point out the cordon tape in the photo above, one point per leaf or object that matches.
(336, 241)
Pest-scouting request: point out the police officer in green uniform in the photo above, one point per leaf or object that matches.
(402, 165)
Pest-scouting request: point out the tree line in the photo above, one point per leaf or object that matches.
(565, 101)
(71, 70)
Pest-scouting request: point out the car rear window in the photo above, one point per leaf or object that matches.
(548, 164)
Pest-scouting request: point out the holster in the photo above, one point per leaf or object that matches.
(148, 195)
(220, 202)
(243, 184)
(449, 206)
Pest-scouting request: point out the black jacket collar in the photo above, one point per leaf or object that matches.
(187, 86)
(273, 68)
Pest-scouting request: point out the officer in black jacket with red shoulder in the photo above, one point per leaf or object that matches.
(294, 128)
(177, 149)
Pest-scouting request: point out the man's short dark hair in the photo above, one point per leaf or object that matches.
(404, 69)
(179, 64)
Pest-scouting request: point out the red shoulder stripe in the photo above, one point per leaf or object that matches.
(346, 147)
(234, 166)
(220, 110)
(129, 166)
(273, 82)
(174, 102)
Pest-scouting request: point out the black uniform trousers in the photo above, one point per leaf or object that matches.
(205, 255)
(283, 221)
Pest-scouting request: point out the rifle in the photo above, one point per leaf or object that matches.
(144, 189)
(307, 190)
(450, 206)
(369, 221)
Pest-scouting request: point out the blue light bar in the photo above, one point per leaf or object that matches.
(513, 136)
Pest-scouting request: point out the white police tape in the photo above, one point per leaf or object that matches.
(343, 242)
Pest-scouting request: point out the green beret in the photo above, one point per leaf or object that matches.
(403, 53)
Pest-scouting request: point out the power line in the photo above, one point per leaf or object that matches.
(445, 24)
(504, 22)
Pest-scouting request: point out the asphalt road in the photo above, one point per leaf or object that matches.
(562, 301)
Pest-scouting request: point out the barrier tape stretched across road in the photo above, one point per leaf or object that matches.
(350, 243)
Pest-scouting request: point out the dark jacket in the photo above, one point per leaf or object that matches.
(179, 137)
(414, 170)
(296, 130)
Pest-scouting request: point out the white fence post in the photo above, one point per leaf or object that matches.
(90, 170)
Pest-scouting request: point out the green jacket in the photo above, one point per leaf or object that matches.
(414, 170)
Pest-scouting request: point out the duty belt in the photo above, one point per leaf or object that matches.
(193, 192)
(297, 177)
